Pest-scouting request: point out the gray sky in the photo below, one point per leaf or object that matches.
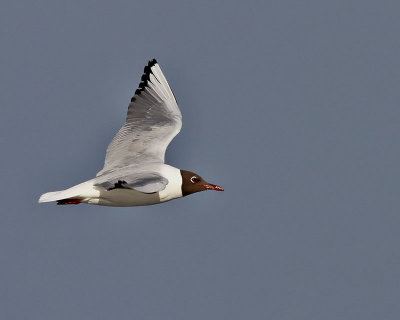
(291, 106)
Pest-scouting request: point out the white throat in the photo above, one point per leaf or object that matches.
(173, 189)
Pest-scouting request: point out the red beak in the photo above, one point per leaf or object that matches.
(210, 186)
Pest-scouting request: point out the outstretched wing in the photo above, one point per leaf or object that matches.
(153, 120)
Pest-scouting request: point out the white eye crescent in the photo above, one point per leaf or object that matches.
(194, 179)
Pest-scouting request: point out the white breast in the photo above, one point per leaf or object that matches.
(173, 189)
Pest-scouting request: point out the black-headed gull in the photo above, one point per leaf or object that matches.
(134, 172)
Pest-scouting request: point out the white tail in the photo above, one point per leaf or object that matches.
(51, 196)
(80, 191)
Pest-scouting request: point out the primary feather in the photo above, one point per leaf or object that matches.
(153, 120)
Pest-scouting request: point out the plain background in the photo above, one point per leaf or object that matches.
(291, 106)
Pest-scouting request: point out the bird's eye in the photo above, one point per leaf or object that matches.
(194, 179)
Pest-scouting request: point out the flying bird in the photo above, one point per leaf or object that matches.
(134, 172)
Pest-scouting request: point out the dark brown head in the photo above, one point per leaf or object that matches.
(192, 182)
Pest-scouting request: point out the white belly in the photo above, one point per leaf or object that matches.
(123, 198)
(129, 197)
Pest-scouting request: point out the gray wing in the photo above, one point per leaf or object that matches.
(153, 120)
(147, 180)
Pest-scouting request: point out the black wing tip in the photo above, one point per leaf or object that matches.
(152, 62)
(145, 77)
(121, 184)
(147, 69)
